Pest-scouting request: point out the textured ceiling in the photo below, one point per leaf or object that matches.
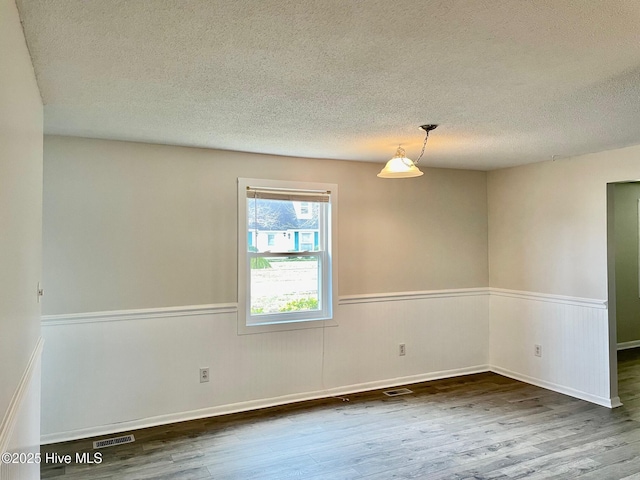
(509, 82)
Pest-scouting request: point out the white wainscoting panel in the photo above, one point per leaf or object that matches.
(111, 372)
(442, 332)
(108, 372)
(20, 429)
(573, 333)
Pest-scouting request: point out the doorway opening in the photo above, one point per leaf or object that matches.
(623, 270)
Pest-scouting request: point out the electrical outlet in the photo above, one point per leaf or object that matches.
(537, 350)
(204, 375)
(402, 350)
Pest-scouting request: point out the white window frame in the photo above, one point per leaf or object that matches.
(248, 323)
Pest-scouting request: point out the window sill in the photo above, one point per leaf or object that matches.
(244, 329)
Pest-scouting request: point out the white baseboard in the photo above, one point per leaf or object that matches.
(605, 402)
(340, 391)
(11, 416)
(628, 345)
(254, 405)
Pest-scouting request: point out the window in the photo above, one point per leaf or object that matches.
(306, 240)
(285, 255)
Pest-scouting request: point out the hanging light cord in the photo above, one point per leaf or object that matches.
(423, 147)
(426, 128)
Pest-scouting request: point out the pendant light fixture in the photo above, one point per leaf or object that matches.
(402, 167)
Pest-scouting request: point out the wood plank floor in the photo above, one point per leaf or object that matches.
(481, 426)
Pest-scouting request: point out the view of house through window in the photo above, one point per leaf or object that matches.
(288, 255)
(282, 283)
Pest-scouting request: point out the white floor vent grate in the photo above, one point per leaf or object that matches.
(110, 442)
(399, 391)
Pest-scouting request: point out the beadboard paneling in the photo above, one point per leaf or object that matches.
(141, 369)
(20, 429)
(138, 370)
(574, 339)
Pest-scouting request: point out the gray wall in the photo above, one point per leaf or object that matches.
(626, 197)
(548, 223)
(548, 234)
(20, 211)
(130, 225)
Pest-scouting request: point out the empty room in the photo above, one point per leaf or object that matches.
(319, 239)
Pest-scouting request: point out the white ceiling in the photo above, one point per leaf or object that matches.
(509, 82)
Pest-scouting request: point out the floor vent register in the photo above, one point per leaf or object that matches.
(110, 442)
(398, 391)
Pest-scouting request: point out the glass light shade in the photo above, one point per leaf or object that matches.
(400, 167)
